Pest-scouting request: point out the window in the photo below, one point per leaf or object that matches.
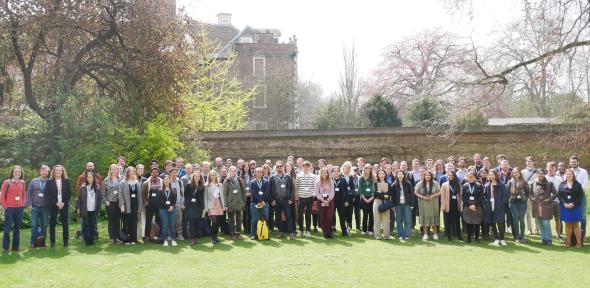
(259, 74)
(259, 100)
(259, 67)
(245, 39)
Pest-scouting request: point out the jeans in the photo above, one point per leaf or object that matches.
(518, 210)
(305, 205)
(255, 216)
(403, 219)
(13, 219)
(168, 224)
(89, 227)
(545, 229)
(39, 220)
(63, 217)
(284, 207)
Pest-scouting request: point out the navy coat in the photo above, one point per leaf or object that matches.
(501, 199)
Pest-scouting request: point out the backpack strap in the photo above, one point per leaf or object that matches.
(7, 189)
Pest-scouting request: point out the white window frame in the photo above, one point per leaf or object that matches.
(260, 82)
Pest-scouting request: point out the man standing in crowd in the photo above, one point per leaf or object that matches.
(218, 165)
(281, 190)
(530, 174)
(178, 165)
(38, 204)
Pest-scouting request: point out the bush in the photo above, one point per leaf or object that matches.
(381, 113)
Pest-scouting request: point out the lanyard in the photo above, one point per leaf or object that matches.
(259, 183)
(471, 189)
(42, 185)
(167, 194)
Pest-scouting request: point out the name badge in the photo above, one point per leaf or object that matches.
(235, 191)
(115, 192)
(153, 194)
(337, 189)
(491, 200)
(167, 202)
(247, 188)
(132, 195)
(368, 189)
(471, 198)
(17, 198)
(260, 193)
(356, 189)
(216, 195)
(453, 197)
(517, 196)
(282, 185)
(194, 200)
(40, 195)
(325, 195)
(569, 196)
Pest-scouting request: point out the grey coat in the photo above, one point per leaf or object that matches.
(125, 197)
(82, 198)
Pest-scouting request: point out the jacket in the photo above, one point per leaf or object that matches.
(574, 195)
(81, 202)
(36, 196)
(409, 197)
(543, 195)
(150, 196)
(324, 191)
(193, 201)
(498, 215)
(125, 197)
(15, 196)
(518, 193)
(384, 195)
(167, 202)
(366, 188)
(110, 189)
(343, 190)
(234, 194)
(477, 198)
(51, 190)
(257, 196)
(209, 197)
(290, 195)
(446, 197)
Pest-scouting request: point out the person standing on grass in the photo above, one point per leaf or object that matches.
(38, 204)
(281, 189)
(495, 197)
(343, 185)
(366, 192)
(582, 178)
(131, 204)
(556, 181)
(235, 201)
(570, 198)
(193, 203)
(530, 174)
(246, 175)
(214, 202)
(382, 194)
(519, 191)
(305, 191)
(261, 197)
(324, 192)
(13, 198)
(290, 170)
(542, 198)
(177, 185)
(473, 201)
(451, 204)
(59, 191)
(349, 176)
(111, 195)
(403, 199)
(88, 206)
(149, 193)
(428, 192)
(139, 171)
(168, 196)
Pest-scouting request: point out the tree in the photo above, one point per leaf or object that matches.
(381, 112)
(349, 82)
(308, 96)
(280, 86)
(333, 115)
(427, 113)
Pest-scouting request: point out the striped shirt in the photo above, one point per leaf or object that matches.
(306, 185)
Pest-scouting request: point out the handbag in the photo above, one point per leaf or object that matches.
(315, 207)
(385, 205)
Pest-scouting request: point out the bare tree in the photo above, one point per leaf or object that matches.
(349, 82)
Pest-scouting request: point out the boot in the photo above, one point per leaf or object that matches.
(194, 242)
(238, 236)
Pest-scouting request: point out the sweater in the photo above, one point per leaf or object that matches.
(15, 196)
(36, 193)
(306, 185)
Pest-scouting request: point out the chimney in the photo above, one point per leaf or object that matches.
(224, 18)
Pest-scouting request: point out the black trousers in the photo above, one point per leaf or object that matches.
(130, 226)
(498, 229)
(284, 226)
(342, 215)
(452, 221)
(63, 217)
(246, 216)
(472, 229)
(305, 205)
(355, 208)
(367, 216)
(89, 227)
(214, 226)
(195, 231)
(114, 218)
(150, 212)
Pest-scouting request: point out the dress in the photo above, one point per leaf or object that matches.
(217, 209)
(429, 210)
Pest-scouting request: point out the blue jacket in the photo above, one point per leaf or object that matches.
(344, 191)
(255, 190)
(500, 199)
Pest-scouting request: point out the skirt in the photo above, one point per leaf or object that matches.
(571, 215)
(429, 212)
(471, 217)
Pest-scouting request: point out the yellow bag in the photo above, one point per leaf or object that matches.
(262, 230)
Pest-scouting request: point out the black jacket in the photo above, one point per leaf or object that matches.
(193, 201)
(408, 193)
(83, 197)
(166, 203)
(343, 191)
(51, 191)
(478, 195)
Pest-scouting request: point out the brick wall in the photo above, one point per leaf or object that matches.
(552, 142)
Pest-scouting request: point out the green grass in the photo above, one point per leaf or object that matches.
(357, 261)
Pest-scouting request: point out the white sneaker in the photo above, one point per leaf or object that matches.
(174, 243)
(400, 238)
(307, 234)
(496, 243)
(180, 238)
(165, 243)
(363, 233)
(503, 243)
(435, 236)
(406, 238)
(299, 234)
(370, 233)
(425, 237)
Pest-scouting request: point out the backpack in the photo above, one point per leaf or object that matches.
(262, 230)
(205, 227)
(154, 231)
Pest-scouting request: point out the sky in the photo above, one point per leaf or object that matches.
(323, 28)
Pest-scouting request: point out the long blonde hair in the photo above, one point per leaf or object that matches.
(212, 172)
(64, 174)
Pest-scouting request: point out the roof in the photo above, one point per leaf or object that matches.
(220, 34)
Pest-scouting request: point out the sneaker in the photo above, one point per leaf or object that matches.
(370, 233)
(174, 243)
(180, 238)
(165, 243)
(377, 238)
(425, 237)
(503, 243)
(308, 234)
(559, 238)
(496, 242)
(291, 236)
(132, 243)
(435, 236)
(400, 238)
(406, 238)
(387, 238)
(299, 234)
(363, 233)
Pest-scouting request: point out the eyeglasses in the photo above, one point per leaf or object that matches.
(280, 166)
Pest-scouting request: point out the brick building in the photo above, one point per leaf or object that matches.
(260, 58)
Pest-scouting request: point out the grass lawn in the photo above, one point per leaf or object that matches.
(357, 261)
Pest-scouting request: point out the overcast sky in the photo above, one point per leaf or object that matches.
(323, 27)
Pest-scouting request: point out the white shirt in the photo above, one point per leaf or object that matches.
(582, 177)
(402, 198)
(90, 199)
(58, 184)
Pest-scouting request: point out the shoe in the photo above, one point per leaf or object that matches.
(517, 240)
(400, 238)
(425, 237)
(530, 232)
(66, 245)
(435, 236)
(291, 236)
(363, 233)
(132, 243)
(370, 233)
(377, 238)
(252, 237)
(299, 234)
(503, 243)
(543, 242)
(281, 235)
(33, 247)
(112, 242)
(477, 241)
(406, 238)
(17, 250)
(174, 244)
(559, 238)
(215, 242)
(387, 238)
(165, 243)
(315, 229)
(549, 243)
(496, 242)
(52, 245)
(180, 238)
(127, 244)
(308, 234)
(194, 242)
(239, 237)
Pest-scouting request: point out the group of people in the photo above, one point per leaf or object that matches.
(193, 200)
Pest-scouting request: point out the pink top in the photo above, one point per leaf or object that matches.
(323, 190)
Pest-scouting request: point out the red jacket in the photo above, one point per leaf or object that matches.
(17, 190)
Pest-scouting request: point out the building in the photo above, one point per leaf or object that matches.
(260, 59)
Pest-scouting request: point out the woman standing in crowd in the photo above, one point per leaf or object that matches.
(214, 202)
(349, 175)
(266, 173)
(305, 193)
(451, 203)
(59, 191)
(403, 199)
(168, 195)
(88, 206)
(381, 195)
(149, 192)
(193, 203)
(261, 197)
(366, 191)
(324, 192)
(473, 200)
(543, 195)
(427, 192)
(235, 202)
(13, 199)
(131, 204)
(247, 175)
(343, 185)
(290, 170)
(571, 212)
(139, 170)
(496, 197)
(111, 196)
(518, 189)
